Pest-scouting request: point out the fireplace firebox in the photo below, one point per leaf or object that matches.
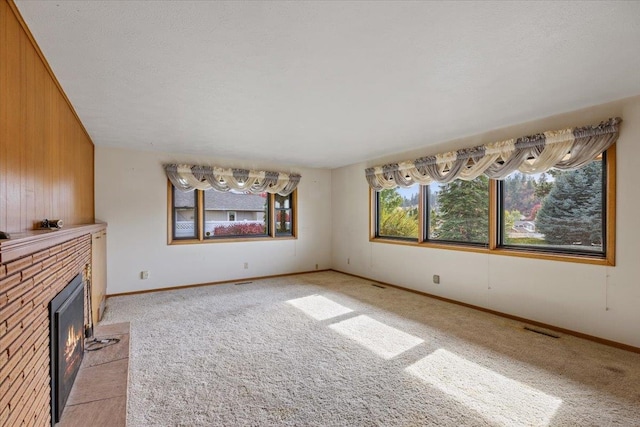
(66, 315)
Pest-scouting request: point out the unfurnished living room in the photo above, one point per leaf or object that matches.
(319, 213)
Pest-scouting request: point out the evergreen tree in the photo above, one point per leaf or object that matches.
(411, 201)
(571, 214)
(433, 224)
(464, 211)
(543, 187)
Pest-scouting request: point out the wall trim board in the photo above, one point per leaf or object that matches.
(222, 282)
(598, 340)
(24, 26)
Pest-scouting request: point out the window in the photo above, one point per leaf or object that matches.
(553, 215)
(455, 212)
(557, 211)
(284, 214)
(459, 211)
(233, 214)
(185, 224)
(397, 213)
(200, 216)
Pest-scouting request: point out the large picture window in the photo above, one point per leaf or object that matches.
(558, 214)
(556, 211)
(228, 214)
(209, 216)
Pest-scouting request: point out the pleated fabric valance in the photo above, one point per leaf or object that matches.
(562, 149)
(193, 177)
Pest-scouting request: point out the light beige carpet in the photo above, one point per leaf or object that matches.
(327, 349)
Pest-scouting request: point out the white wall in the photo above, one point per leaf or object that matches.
(600, 301)
(131, 196)
(595, 300)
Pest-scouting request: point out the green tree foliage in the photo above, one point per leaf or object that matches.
(411, 202)
(390, 199)
(571, 214)
(543, 187)
(510, 218)
(433, 223)
(520, 193)
(393, 219)
(464, 211)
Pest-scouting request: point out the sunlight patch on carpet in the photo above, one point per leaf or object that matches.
(383, 340)
(495, 397)
(319, 307)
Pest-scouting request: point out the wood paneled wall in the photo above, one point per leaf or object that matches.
(46, 155)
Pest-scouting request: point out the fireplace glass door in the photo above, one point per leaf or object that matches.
(67, 343)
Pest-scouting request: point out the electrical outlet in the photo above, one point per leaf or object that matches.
(436, 279)
(348, 260)
(246, 265)
(316, 266)
(144, 275)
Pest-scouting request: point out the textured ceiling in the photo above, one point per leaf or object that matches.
(326, 84)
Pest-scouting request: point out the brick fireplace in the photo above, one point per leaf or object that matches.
(33, 270)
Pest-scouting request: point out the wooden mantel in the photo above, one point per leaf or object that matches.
(22, 244)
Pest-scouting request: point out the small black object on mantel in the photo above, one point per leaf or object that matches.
(51, 223)
(4, 235)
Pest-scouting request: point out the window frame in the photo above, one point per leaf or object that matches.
(427, 214)
(550, 249)
(494, 248)
(234, 221)
(292, 217)
(199, 222)
(419, 238)
(196, 220)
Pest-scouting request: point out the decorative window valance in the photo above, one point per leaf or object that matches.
(562, 149)
(193, 177)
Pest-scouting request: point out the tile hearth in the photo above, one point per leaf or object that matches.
(100, 390)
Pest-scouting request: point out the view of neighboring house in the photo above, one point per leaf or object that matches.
(524, 226)
(220, 209)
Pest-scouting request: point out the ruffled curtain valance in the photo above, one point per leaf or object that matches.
(193, 177)
(562, 149)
